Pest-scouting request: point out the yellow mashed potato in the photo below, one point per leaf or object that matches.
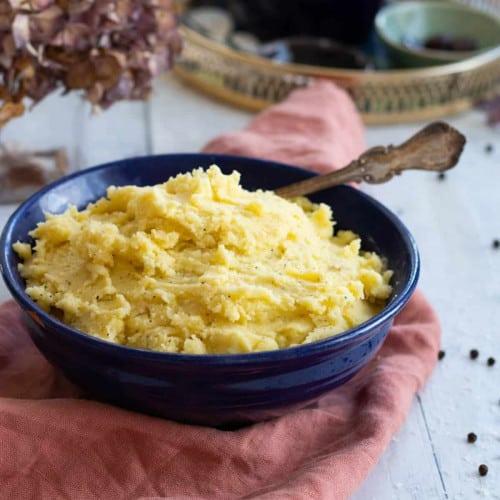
(199, 265)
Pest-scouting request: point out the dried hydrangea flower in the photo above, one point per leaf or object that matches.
(109, 49)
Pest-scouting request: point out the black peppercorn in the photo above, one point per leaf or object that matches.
(471, 437)
(441, 355)
(474, 353)
(491, 361)
(483, 470)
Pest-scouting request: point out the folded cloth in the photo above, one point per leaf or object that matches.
(55, 445)
(318, 128)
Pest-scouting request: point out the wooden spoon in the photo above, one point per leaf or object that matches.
(437, 147)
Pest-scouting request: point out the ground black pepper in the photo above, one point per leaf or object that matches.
(441, 176)
(488, 148)
(471, 437)
(474, 353)
(441, 355)
(491, 361)
(483, 470)
(496, 243)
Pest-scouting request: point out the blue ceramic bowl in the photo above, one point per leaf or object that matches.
(215, 390)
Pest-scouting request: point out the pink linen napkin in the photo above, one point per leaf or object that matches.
(54, 445)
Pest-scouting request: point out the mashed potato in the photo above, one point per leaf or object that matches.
(199, 265)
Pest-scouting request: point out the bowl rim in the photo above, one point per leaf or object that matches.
(302, 351)
(431, 54)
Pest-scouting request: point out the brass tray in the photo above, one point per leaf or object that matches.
(383, 97)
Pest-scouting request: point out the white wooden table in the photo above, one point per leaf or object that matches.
(454, 222)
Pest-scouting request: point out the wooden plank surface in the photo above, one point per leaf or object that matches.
(182, 120)
(454, 222)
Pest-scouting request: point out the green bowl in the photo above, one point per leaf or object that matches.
(404, 28)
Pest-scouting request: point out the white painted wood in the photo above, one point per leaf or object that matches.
(454, 222)
(398, 474)
(119, 132)
(53, 123)
(183, 120)
(89, 138)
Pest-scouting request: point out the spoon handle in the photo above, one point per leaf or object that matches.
(436, 147)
